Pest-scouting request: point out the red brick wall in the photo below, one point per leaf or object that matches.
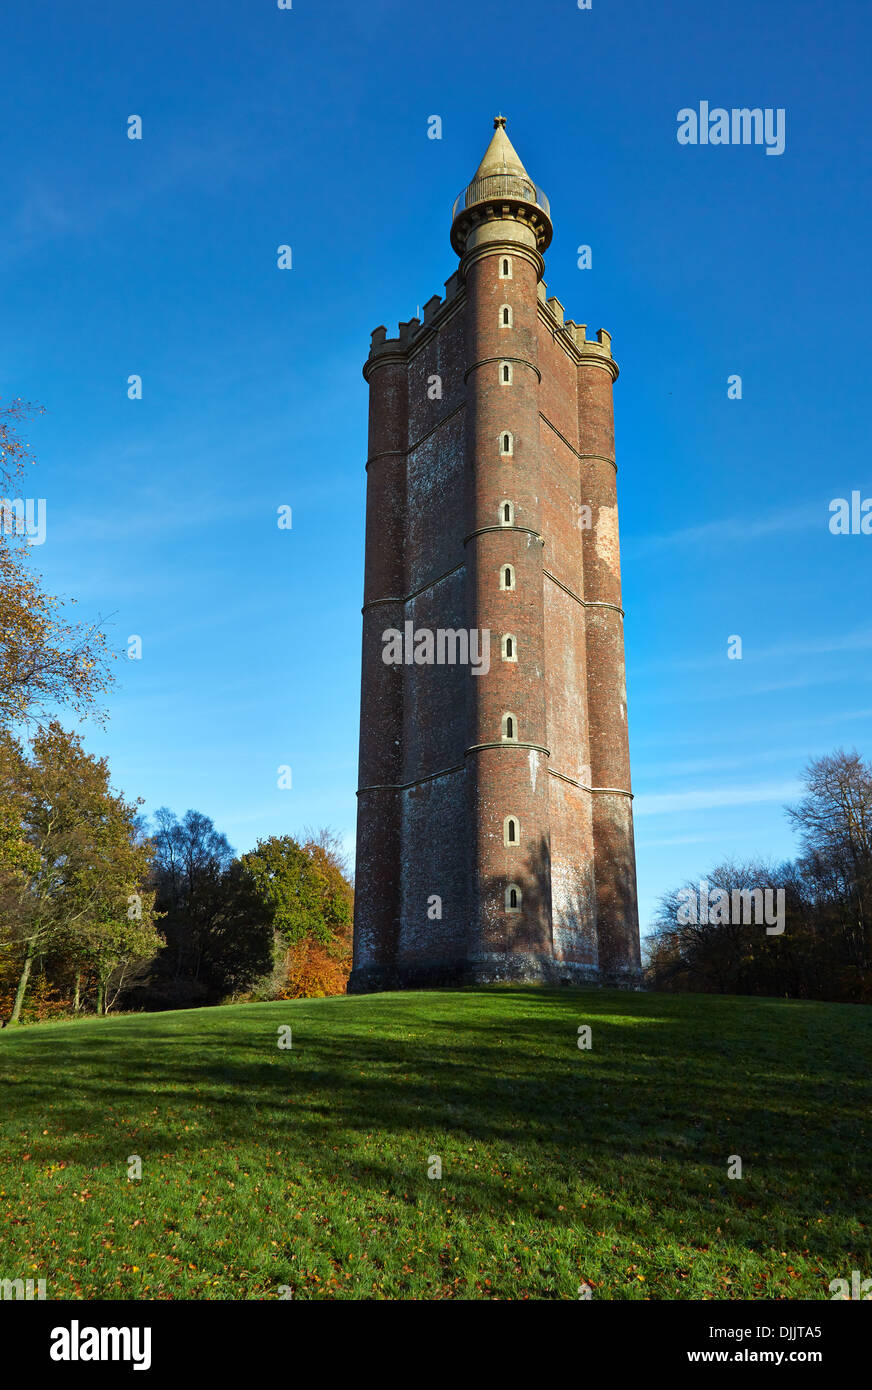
(507, 780)
(434, 828)
(614, 856)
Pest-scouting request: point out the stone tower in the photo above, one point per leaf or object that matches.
(495, 827)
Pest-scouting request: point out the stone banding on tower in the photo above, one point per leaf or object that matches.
(495, 835)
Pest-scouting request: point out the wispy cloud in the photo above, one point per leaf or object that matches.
(63, 209)
(675, 767)
(161, 516)
(729, 530)
(712, 798)
(778, 654)
(643, 843)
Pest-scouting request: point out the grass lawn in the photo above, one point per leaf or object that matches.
(308, 1168)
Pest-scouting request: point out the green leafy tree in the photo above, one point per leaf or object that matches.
(238, 948)
(79, 861)
(217, 925)
(304, 886)
(191, 859)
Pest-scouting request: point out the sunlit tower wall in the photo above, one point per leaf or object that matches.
(495, 829)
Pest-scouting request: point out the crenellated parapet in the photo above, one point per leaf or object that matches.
(573, 336)
(414, 333)
(598, 353)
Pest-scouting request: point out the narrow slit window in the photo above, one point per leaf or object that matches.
(513, 898)
(511, 831)
(507, 512)
(510, 728)
(505, 268)
(507, 444)
(510, 647)
(506, 373)
(507, 577)
(506, 316)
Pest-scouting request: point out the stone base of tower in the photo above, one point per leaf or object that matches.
(485, 970)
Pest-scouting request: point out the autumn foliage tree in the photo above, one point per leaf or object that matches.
(81, 886)
(307, 890)
(73, 863)
(47, 659)
(274, 921)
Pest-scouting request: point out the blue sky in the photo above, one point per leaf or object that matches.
(309, 127)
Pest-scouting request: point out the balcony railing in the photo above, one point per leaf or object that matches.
(500, 186)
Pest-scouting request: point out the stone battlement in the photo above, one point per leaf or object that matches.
(574, 333)
(434, 309)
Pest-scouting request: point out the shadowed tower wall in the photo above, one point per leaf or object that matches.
(495, 836)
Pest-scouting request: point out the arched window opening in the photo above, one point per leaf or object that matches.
(507, 512)
(506, 316)
(513, 898)
(511, 831)
(506, 373)
(507, 577)
(510, 647)
(510, 728)
(507, 443)
(505, 268)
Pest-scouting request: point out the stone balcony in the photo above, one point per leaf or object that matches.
(497, 186)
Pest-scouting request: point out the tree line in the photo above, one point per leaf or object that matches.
(98, 909)
(821, 947)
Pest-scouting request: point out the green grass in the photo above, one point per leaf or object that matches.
(308, 1168)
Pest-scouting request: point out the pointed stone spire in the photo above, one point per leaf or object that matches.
(501, 192)
(501, 157)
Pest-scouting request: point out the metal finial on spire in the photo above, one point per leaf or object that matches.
(499, 121)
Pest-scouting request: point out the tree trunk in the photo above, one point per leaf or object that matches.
(77, 998)
(22, 981)
(101, 997)
(110, 1003)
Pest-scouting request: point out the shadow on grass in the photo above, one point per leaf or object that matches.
(671, 1088)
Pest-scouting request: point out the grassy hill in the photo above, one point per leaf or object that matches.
(308, 1167)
